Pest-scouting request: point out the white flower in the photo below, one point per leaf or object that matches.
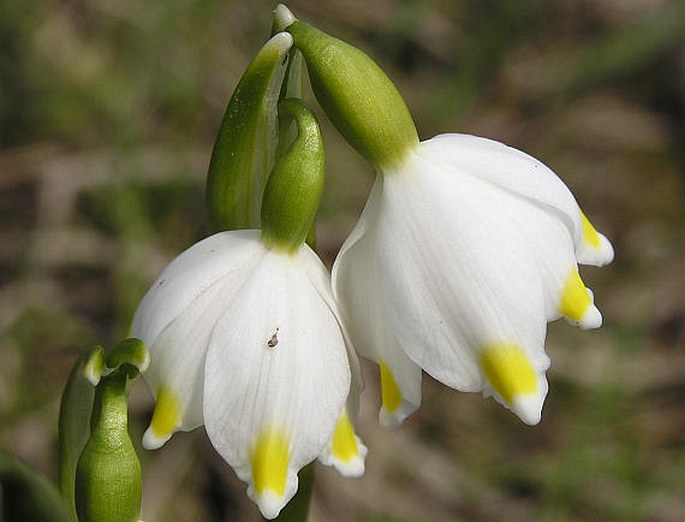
(246, 339)
(460, 258)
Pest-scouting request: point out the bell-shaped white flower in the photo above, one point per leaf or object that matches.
(245, 336)
(461, 256)
(247, 339)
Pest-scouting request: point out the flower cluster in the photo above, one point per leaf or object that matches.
(465, 250)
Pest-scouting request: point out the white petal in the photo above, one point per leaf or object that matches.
(452, 254)
(276, 370)
(357, 286)
(345, 451)
(520, 174)
(177, 364)
(190, 274)
(594, 249)
(321, 281)
(542, 223)
(176, 318)
(577, 302)
(454, 275)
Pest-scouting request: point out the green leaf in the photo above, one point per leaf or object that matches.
(26, 495)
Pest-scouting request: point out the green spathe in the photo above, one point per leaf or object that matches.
(293, 191)
(357, 96)
(245, 146)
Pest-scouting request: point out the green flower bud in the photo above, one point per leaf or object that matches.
(293, 191)
(108, 474)
(356, 94)
(245, 146)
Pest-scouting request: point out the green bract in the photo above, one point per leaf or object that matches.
(293, 191)
(356, 94)
(245, 146)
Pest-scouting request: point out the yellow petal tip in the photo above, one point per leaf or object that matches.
(347, 451)
(590, 234)
(576, 302)
(269, 463)
(509, 371)
(391, 394)
(165, 420)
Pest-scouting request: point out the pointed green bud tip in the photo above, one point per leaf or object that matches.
(245, 145)
(108, 474)
(356, 94)
(129, 351)
(283, 18)
(293, 191)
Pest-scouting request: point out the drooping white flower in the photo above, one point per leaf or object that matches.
(461, 256)
(247, 340)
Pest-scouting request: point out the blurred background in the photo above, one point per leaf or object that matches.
(108, 112)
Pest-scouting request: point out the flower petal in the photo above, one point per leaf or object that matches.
(517, 384)
(358, 288)
(457, 277)
(175, 320)
(520, 174)
(276, 379)
(594, 249)
(190, 274)
(345, 451)
(176, 370)
(577, 302)
(321, 281)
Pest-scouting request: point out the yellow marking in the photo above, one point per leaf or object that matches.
(590, 235)
(166, 417)
(508, 369)
(390, 392)
(575, 299)
(344, 444)
(269, 462)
